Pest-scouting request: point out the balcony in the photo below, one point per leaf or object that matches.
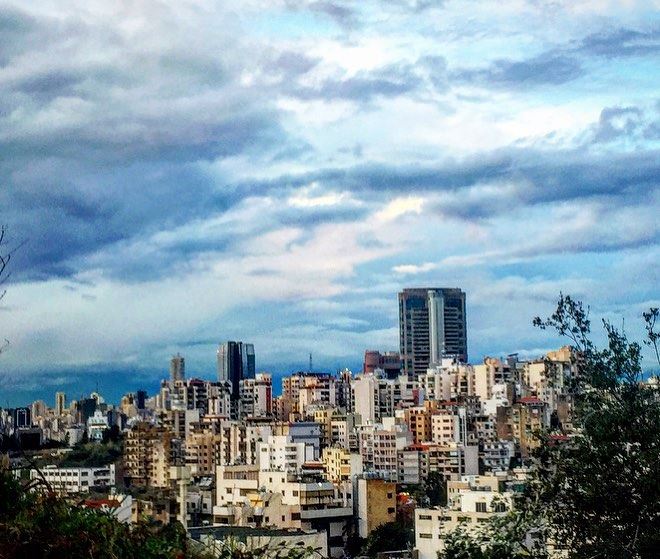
(323, 512)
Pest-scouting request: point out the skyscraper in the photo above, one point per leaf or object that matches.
(235, 363)
(60, 403)
(432, 325)
(177, 368)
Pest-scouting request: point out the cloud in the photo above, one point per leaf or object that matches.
(399, 207)
(282, 179)
(390, 81)
(621, 42)
(413, 269)
(550, 68)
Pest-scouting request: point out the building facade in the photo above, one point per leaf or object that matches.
(432, 325)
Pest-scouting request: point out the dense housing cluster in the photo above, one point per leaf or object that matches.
(333, 456)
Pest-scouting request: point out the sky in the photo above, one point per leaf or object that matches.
(174, 174)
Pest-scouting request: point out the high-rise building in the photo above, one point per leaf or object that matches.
(247, 360)
(21, 417)
(140, 399)
(177, 368)
(60, 403)
(432, 326)
(235, 363)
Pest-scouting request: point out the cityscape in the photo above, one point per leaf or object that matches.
(326, 462)
(329, 279)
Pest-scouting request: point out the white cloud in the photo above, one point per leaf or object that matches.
(400, 207)
(412, 269)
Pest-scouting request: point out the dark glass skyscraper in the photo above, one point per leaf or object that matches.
(235, 362)
(432, 325)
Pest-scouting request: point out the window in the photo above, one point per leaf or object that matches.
(228, 490)
(295, 516)
(424, 517)
(481, 507)
(391, 510)
(425, 536)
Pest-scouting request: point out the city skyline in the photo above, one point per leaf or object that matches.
(179, 174)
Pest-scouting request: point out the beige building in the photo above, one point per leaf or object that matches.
(375, 504)
(340, 464)
(147, 455)
(486, 375)
(246, 496)
(203, 451)
(445, 427)
(472, 501)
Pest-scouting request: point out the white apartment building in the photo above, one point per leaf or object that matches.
(471, 502)
(279, 453)
(374, 398)
(96, 425)
(75, 480)
(256, 396)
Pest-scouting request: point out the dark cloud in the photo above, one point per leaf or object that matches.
(72, 216)
(294, 63)
(16, 29)
(106, 149)
(614, 43)
(545, 69)
(630, 124)
(562, 64)
(340, 12)
(390, 81)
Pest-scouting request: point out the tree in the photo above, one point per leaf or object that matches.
(597, 494)
(36, 523)
(391, 536)
(435, 489)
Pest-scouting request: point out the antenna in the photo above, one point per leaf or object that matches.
(310, 361)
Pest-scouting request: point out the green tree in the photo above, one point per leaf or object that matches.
(391, 536)
(596, 495)
(35, 523)
(435, 489)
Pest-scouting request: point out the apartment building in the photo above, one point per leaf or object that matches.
(375, 504)
(471, 502)
(280, 453)
(71, 480)
(340, 464)
(256, 396)
(148, 455)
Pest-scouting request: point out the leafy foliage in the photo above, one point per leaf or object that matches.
(391, 536)
(435, 489)
(37, 524)
(597, 494)
(93, 454)
(231, 548)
